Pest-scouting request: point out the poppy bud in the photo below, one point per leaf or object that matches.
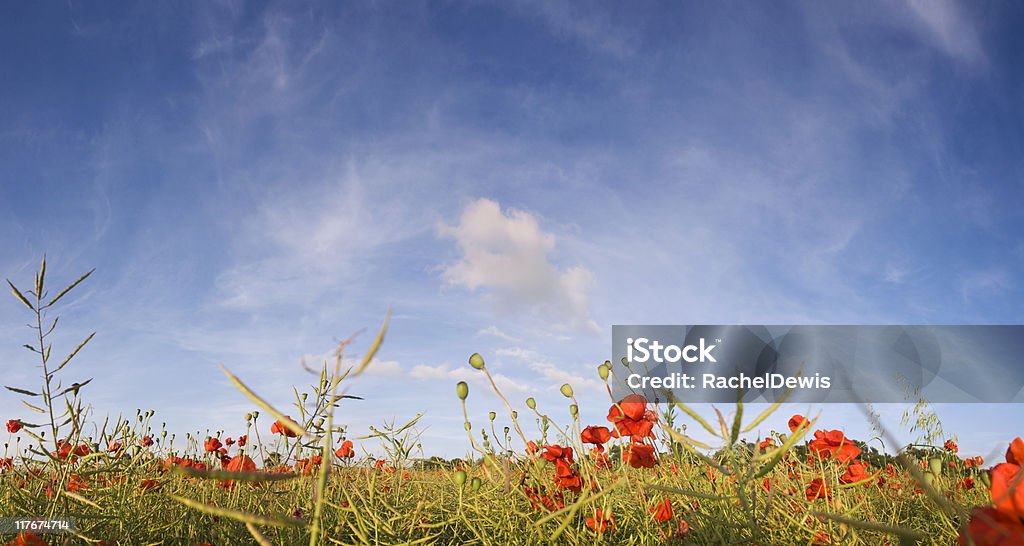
(462, 389)
(248, 417)
(604, 369)
(507, 430)
(474, 484)
(305, 395)
(935, 465)
(255, 415)
(566, 390)
(460, 477)
(492, 415)
(476, 361)
(531, 403)
(573, 409)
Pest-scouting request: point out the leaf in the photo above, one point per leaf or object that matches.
(21, 391)
(238, 515)
(902, 532)
(18, 295)
(73, 387)
(73, 353)
(771, 409)
(376, 345)
(292, 425)
(260, 539)
(33, 408)
(686, 409)
(68, 289)
(776, 455)
(39, 277)
(81, 499)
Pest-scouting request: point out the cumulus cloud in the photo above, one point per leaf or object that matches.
(508, 254)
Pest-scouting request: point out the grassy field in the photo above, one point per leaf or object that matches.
(633, 479)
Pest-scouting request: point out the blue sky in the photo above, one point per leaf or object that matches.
(254, 182)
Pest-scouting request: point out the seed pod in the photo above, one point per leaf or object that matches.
(573, 410)
(476, 361)
(460, 477)
(566, 390)
(492, 415)
(604, 369)
(531, 403)
(248, 417)
(474, 484)
(462, 389)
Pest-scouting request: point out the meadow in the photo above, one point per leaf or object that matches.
(291, 476)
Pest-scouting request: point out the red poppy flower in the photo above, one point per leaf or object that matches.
(27, 539)
(239, 463)
(566, 477)
(1007, 489)
(242, 440)
(211, 444)
(280, 428)
(795, 422)
(113, 446)
(991, 527)
(14, 425)
(766, 443)
(631, 418)
(602, 522)
(833, 444)
(951, 446)
(555, 452)
(1015, 453)
(640, 456)
(817, 490)
(663, 510)
(146, 485)
(345, 451)
(531, 448)
(854, 473)
(229, 442)
(595, 435)
(146, 441)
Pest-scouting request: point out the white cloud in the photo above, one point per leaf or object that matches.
(553, 374)
(494, 331)
(446, 372)
(984, 283)
(509, 255)
(948, 29)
